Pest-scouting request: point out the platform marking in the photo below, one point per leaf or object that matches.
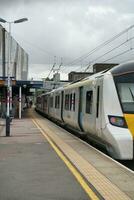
(74, 171)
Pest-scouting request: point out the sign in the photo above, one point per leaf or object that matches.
(4, 82)
(32, 89)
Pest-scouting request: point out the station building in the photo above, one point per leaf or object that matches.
(18, 69)
(55, 83)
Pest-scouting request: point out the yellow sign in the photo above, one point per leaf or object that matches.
(3, 82)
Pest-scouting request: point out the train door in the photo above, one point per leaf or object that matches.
(80, 113)
(99, 106)
(89, 118)
(62, 104)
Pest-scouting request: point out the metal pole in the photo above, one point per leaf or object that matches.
(8, 85)
(4, 73)
(11, 99)
(3, 51)
(20, 102)
(9, 69)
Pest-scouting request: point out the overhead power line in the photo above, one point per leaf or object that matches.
(116, 47)
(100, 46)
(122, 53)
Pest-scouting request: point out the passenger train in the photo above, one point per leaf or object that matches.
(100, 106)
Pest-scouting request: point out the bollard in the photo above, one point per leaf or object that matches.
(7, 126)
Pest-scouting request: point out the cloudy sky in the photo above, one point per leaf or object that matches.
(69, 29)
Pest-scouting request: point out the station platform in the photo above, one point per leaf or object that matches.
(43, 161)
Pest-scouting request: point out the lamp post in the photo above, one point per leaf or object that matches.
(8, 71)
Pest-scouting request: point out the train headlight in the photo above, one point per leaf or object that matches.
(117, 121)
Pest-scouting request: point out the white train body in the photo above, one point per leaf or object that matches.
(102, 106)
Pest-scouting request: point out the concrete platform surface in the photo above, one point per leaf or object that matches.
(31, 170)
(111, 180)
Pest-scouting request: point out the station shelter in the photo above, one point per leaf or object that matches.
(21, 95)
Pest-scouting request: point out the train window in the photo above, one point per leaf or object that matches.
(89, 101)
(125, 88)
(98, 93)
(67, 102)
(57, 101)
(38, 100)
(51, 102)
(71, 99)
(74, 102)
(126, 93)
(44, 102)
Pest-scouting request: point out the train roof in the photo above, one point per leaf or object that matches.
(123, 69)
(52, 91)
(117, 70)
(84, 81)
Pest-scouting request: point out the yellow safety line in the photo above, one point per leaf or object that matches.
(74, 171)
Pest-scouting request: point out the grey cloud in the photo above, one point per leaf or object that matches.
(66, 29)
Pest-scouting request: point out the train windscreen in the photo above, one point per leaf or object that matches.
(125, 88)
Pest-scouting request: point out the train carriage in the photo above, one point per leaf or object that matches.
(51, 104)
(86, 115)
(58, 104)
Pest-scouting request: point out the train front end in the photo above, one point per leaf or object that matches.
(118, 97)
(124, 82)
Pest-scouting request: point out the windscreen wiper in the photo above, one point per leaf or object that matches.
(131, 94)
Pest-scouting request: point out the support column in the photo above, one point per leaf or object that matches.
(11, 100)
(20, 102)
(3, 54)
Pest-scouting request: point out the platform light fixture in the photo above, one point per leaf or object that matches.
(8, 70)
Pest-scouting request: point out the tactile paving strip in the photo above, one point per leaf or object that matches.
(108, 190)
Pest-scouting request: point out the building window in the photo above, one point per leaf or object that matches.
(89, 101)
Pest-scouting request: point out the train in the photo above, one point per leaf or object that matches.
(100, 106)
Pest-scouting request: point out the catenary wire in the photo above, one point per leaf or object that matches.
(118, 46)
(100, 46)
(122, 53)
